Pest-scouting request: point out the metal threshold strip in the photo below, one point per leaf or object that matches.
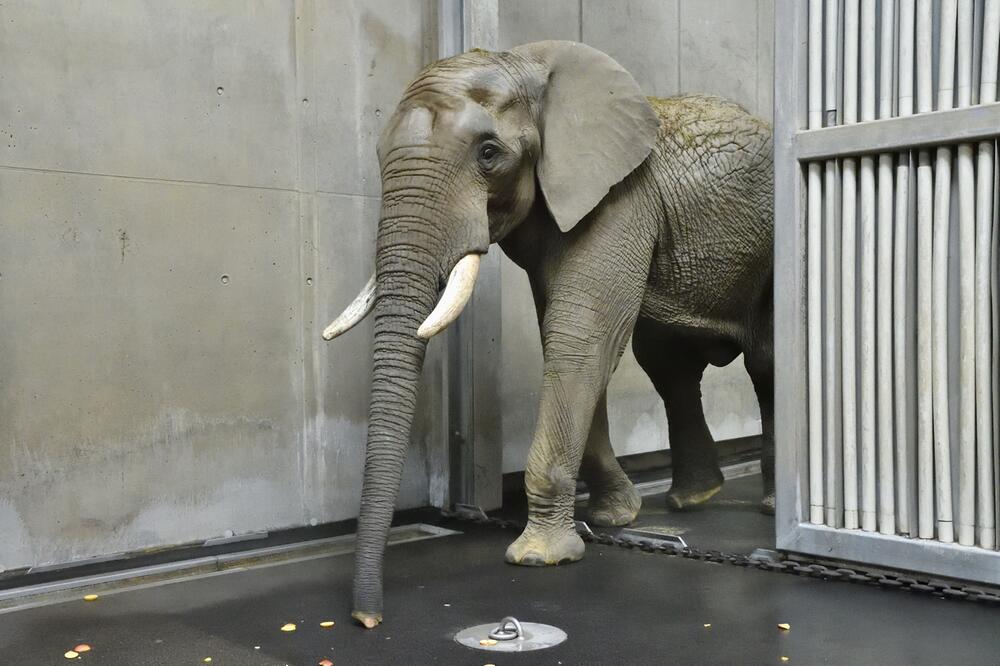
(173, 572)
(764, 560)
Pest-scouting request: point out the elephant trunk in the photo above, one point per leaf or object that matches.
(404, 299)
(417, 245)
(421, 237)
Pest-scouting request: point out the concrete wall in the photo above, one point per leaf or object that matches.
(188, 193)
(722, 47)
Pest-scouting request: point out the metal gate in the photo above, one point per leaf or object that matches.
(886, 126)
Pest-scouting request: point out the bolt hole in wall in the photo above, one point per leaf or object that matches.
(902, 288)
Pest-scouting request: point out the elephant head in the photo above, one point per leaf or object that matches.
(463, 158)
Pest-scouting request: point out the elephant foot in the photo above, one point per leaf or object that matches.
(767, 504)
(545, 546)
(368, 620)
(614, 508)
(686, 495)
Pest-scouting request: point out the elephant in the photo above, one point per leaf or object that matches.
(632, 216)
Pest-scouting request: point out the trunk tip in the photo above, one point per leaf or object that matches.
(366, 619)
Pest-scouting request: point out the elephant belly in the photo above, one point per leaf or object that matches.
(711, 293)
(711, 272)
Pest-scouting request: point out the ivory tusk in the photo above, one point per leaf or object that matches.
(456, 294)
(353, 313)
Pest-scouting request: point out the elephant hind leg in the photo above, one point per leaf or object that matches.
(614, 501)
(675, 366)
(759, 361)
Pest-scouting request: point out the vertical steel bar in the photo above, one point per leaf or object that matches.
(995, 311)
(884, 283)
(925, 203)
(833, 461)
(866, 399)
(985, 260)
(848, 264)
(942, 232)
(791, 412)
(966, 513)
(814, 230)
(903, 331)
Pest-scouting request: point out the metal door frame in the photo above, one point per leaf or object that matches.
(467, 464)
(793, 147)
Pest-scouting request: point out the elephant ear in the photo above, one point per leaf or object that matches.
(596, 126)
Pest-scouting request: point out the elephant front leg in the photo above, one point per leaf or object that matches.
(565, 413)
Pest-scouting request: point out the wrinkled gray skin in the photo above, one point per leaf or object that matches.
(632, 216)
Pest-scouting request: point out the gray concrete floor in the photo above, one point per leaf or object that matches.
(618, 607)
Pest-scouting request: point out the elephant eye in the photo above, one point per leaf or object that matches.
(487, 153)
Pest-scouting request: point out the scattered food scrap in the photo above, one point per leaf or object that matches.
(707, 625)
(487, 642)
(90, 597)
(325, 662)
(82, 647)
(784, 626)
(784, 659)
(288, 627)
(207, 660)
(326, 624)
(71, 654)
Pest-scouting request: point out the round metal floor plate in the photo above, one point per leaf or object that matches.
(536, 637)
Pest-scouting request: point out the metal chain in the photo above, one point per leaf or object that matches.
(895, 581)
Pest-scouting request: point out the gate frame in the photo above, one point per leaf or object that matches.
(793, 148)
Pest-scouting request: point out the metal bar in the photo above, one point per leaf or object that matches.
(831, 43)
(896, 552)
(995, 311)
(886, 520)
(919, 131)
(866, 346)
(939, 337)
(833, 447)
(473, 342)
(848, 246)
(791, 413)
(886, 478)
(884, 308)
(480, 29)
(902, 287)
(153, 575)
(833, 501)
(985, 259)
(848, 249)
(925, 203)
(814, 269)
(966, 509)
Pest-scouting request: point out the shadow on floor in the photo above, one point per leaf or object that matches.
(729, 522)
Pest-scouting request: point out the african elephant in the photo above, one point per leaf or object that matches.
(631, 215)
